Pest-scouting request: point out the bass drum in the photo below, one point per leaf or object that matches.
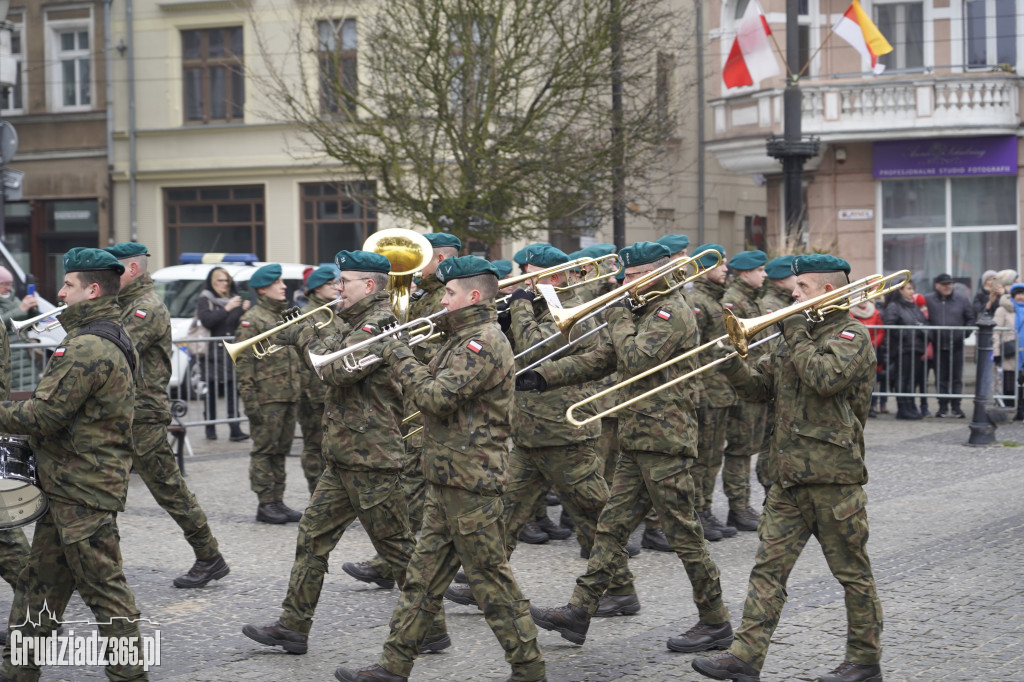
(22, 501)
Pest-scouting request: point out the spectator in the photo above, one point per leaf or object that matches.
(989, 293)
(1017, 294)
(220, 308)
(868, 314)
(1007, 278)
(947, 308)
(906, 347)
(1005, 344)
(11, 308)
(921, 378)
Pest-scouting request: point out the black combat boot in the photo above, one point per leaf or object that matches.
(565, 521)
(702, 637)
(617, 605)
(743, 519)
(364, 570)
(435, 644)
(461, 594)
(711, 533)
(202, 572)
(725, 529)
(571, 622)
(554, 532)
(290, 514)
(852, 672)
(375, 673)
(461, 578)
(531, 534)
(654, 538)
(632, 549)
(267, 512)
(726, 667)
(276, 635)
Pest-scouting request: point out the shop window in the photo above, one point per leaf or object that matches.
(215, 219)
(336, 216)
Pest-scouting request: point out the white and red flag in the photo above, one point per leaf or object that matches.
(751, 58)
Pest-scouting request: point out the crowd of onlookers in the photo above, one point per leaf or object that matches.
(924, 346)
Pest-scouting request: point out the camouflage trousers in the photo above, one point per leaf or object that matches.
(73, 548)
(574, 471)
(311, 417)
(154, 461)
(711, 422)
(836, 516)
(341, 496)
(415, 490)
(271, 443)
(644, 480)
(744, 435)
(14, 551)
(462, 528)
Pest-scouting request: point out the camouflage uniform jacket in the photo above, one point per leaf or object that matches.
(774, 298)
(706, 299)
(275, 378)
(363, 408)
(148, 323)
(5, 363)
(314, 390)
(743, 301)
(79, 419)
(538, 419)
(426, 300)
(664, 328)
(465, 394)
(820, 376)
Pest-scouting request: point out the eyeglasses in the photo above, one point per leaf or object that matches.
(342, 282)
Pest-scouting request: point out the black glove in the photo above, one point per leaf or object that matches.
(255, 415)
(530, 380)
(521, 295)
(505, 320)
(289, 336)
(294, 311)
(621, 303)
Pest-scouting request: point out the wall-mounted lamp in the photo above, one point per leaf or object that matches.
(840, 154)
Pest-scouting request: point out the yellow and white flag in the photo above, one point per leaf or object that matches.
(856, 28)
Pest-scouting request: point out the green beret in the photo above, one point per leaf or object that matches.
(595, 251)
(819, 262)
(520, 256)
(503, 266)
(322, 275)
(265, 276)
(643, 253)
(779, 268)
(84, 259)
(127, 250)
(708, 260)
(748, 260)
(465, 266)
(439, 239)
(545, 256)
(620, 275)
(362, 261)
(675, 242)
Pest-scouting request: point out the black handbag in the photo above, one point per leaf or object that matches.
(1008, 349)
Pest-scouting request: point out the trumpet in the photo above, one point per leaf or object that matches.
(32, 324)
(424, 330)
(261, 350)
(741, 331)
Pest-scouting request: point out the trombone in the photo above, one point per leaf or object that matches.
(741, 331)
(424, 330)
(32, 324)
(554, 270)
(261, 350)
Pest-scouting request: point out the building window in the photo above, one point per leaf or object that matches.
(960, 225)
(991, 36)
(13, 102)
(213, 74)
(903, 25)
(337, 52)
(69, 67)
(754, 227)
(336, 216)
(215, 219)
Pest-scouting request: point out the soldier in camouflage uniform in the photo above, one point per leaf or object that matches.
(13, 543)
(148, 323)
(465, 394)
(820, 376)
(321, 289)
(744, 431)
(658, 439)
(425, 301)
(79, 424)
(777, 294)
(269, 388)
(363, 452)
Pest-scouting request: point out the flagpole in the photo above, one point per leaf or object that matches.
(781, 55)
(831, 30)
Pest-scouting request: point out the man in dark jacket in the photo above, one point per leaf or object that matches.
(946, 308)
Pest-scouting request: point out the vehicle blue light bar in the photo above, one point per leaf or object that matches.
(194, 258)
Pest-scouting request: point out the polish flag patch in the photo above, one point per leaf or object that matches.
(59, 353)
(664, 314)
(475, 346)
(729, 306)
(848, 335)
(141, 313)
(696, 311)
(367, 328)
(246, 323)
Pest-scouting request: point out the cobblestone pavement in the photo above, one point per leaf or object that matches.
(947, 527)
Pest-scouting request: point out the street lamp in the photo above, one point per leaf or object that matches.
(5, 53)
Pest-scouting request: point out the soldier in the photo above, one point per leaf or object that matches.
(820, 377)
(79, 424)
(321, 288)
(717, 396)
(148, 323)
(425, 301)
(546, 448)
(777, 294)
(269, 388)
(465, 394)
(744, 431)
(363, 452)
(658, 439)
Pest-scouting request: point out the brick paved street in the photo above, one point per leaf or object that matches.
(947, 527)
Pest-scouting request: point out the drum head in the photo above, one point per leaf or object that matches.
(20, 503)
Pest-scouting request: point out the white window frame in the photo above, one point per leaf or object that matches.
(928, 17)
(55, 72)
(17, 27)
(991, 37)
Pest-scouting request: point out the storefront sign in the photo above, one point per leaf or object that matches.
(856, 214)
(946, 156)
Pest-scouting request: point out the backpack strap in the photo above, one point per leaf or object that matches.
(115, 333)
